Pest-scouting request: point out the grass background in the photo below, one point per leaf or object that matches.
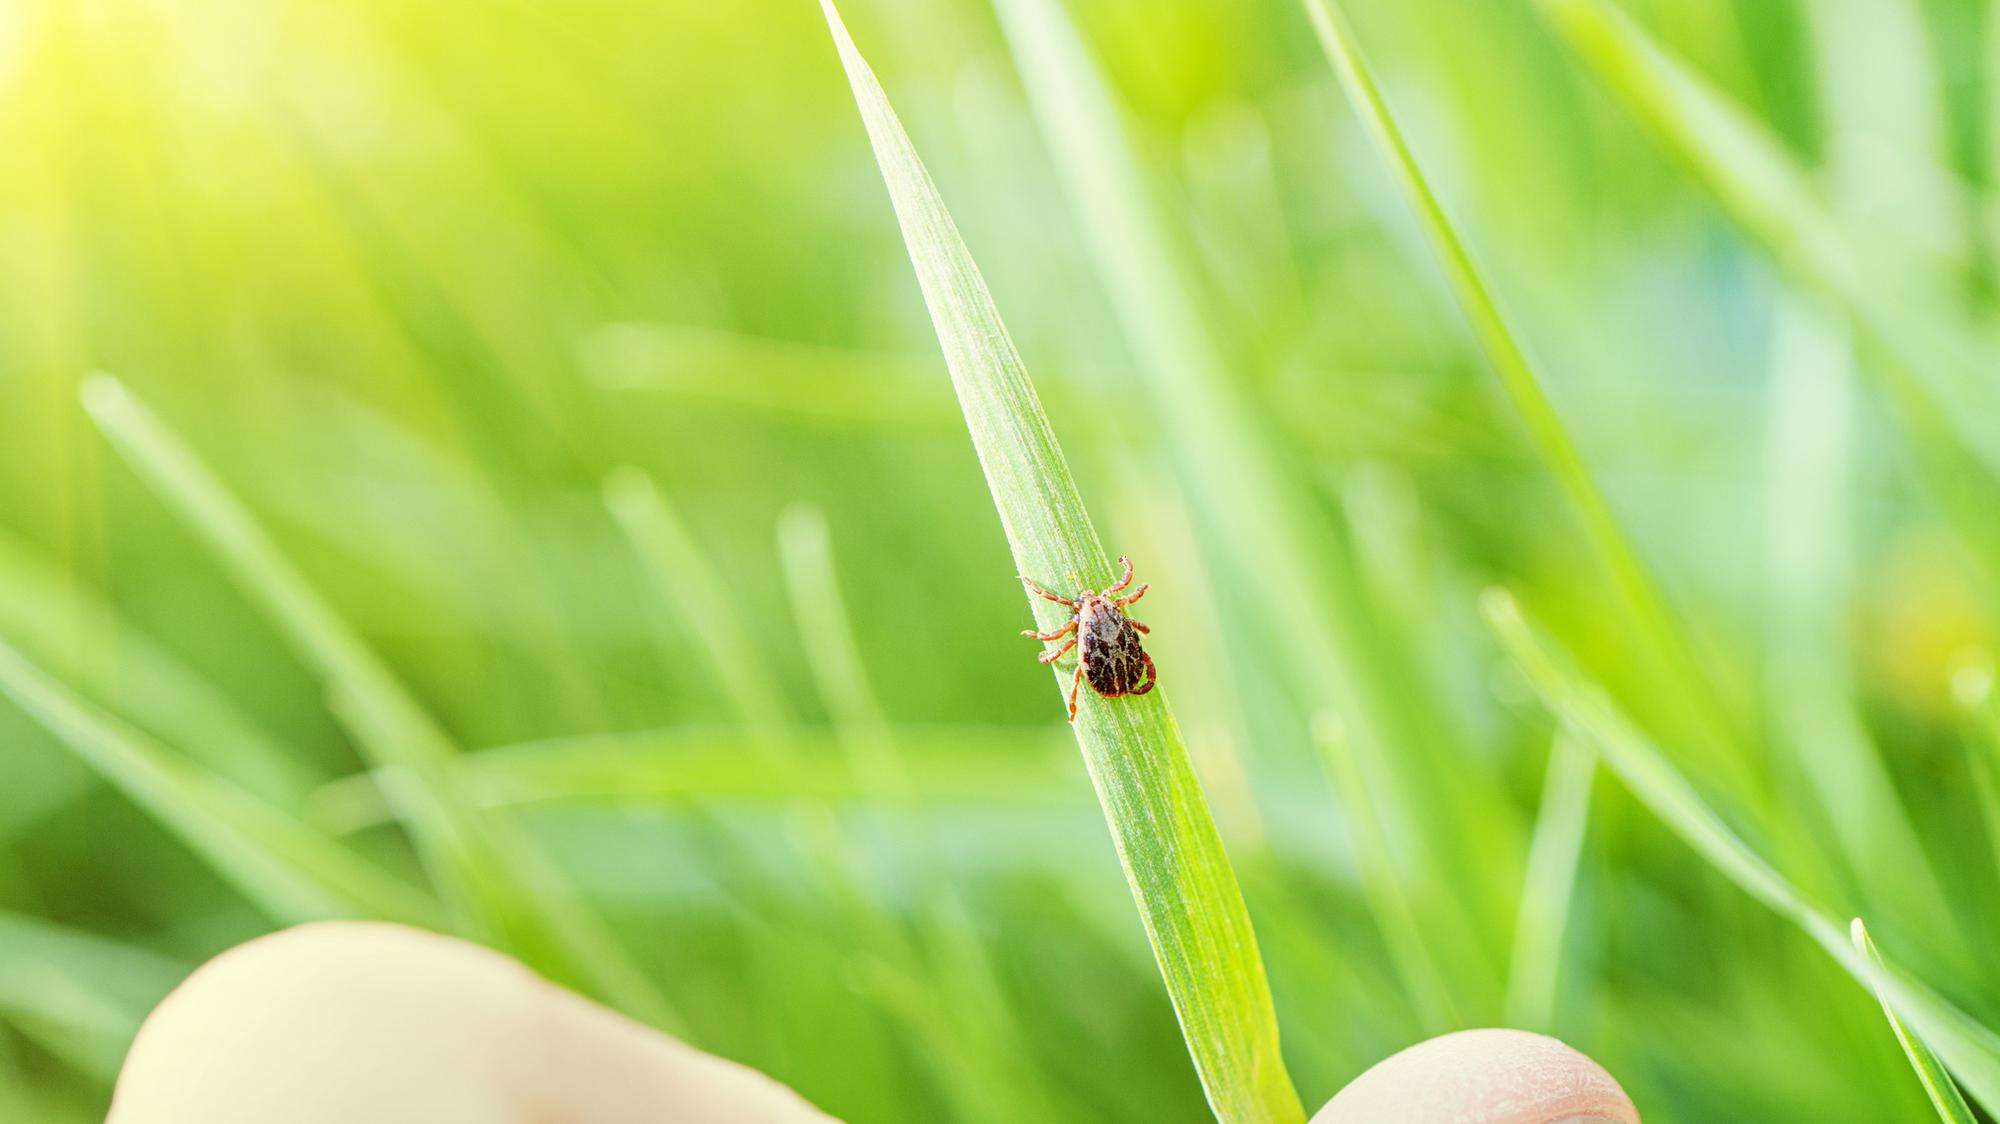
(745, 741)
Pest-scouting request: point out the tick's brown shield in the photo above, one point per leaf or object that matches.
(1114, 662)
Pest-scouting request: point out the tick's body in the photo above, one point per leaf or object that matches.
(1109, 653)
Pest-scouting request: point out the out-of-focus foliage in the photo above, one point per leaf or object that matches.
(413, 281)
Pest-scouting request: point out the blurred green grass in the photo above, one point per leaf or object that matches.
(413, 280)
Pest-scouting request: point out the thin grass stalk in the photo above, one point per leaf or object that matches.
(1924, 366)
(1971, 1049)
(290, 872)
(1549, 885)
(1266, 529)
(78, 995)
(990, 1046)
(1938, 1085)
(688, 582)
(1810, 450)
(1972, 691)
(1383, 884)
(1638, 590)
(501, 889)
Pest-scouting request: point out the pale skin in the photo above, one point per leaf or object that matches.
(348, 1021)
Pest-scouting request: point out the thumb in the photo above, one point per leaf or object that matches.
(1483, 1077)
(348, 1021)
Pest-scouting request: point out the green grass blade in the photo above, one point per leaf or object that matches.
(501, 889)
(983, 1041)
(1382, 884)
(75, 634)
(1268, 529)
(691, 765)
(1263, 518)
(806, 384)
(1924, 366)
(1812, 696)
(1938, 1085)
(1636, 587)
(1180, 878)
(79, 995)
(1972, 691)
(287, 870)
(687, 582)
(1550, 884)
(1971, 1049)
(806, 551)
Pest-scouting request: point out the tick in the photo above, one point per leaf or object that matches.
(1111, 657)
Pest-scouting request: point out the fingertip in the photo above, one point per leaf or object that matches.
(325, 1020)
(1489, 1076)
(346, 1021)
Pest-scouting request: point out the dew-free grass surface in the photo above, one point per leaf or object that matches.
(534, 503)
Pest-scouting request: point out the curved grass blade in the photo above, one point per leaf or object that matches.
(77, 636)
(1187, 895)
(1971, 1049)
(1550, 884)
(982, 1041)
(1382, 884)
(691, 765)
(1266, 527)
(1925, 367)
(79, 995)
(688, 583)
(806, 551)
(1636, 586)
(1938, 1085)
(1972, 690)
(1814, 710)
(501, 889)
(289, 871)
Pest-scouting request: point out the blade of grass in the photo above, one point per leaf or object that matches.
(983, 1043)
(1638, 590)
(286, 869)
(500, 887)
(691, 765)
(85, 644)
(1268, 529)
(1972, 691)
(1888, 139)
(1810, 685)
(1938, 1085)
(808, 384)
(1382, 883)
(806, 551)
(1180, 878)
(79, 995)
(1923, 366)
(1550, 884)
(688, 582)
(1971, 1049)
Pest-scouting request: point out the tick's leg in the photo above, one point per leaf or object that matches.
(1121, 583)
(1055, 635)
(1140, 625)
(1040, 592)
(1075, 681)
(1152, 676)
(1133, 596)
(1051, 657)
